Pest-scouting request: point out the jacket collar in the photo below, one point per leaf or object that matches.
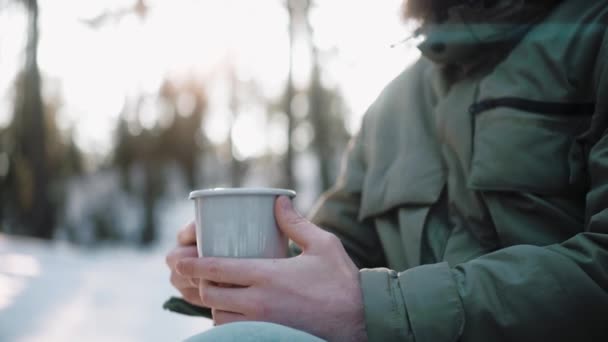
(471, 29)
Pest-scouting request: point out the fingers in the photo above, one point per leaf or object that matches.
(229, 298)
(243, 272)
(180, 282)
(223, 317)
(179, 253)
(296, 227)
(191, 295)
(187, 235)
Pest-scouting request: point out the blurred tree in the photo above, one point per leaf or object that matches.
(35, 210)
(182, 106)
(327, 118)
(155, 148)
(325, 106)
(238, 168)
(36, 158)
(295, 11)
(182, 140)
(40, 158)
(326, 114)
(139, 8)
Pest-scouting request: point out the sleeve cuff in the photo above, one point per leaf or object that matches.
(385, 313)
(421, 304)
(434, 306)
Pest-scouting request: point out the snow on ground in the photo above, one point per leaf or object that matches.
(54, 292)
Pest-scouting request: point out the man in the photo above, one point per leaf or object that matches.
(479, 180)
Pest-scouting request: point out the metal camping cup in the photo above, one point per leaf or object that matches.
(239, 223)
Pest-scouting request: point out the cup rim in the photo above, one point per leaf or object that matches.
(241, 191)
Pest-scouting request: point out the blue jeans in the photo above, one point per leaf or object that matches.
(253, 332)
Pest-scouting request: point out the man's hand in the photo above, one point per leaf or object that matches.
(186, 248)
(317, 291)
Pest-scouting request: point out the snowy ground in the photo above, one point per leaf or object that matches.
(54, 292)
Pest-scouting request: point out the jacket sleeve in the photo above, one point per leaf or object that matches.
(337, 209)
(521, 293)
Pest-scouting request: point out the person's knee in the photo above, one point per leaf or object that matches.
(253, 332)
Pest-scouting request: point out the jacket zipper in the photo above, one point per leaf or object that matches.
(542, 107)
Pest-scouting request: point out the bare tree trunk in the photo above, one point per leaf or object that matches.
(36, 212)
(151, 193)
(319, 111)
(318, 117)
(289, 95)
(237, 167)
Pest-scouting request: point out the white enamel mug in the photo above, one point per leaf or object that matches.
(239, 223)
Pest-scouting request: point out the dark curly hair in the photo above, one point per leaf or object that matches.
(425, 10)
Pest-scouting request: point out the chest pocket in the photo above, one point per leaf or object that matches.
(528, 146)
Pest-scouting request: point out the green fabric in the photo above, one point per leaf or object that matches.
(432, 296)
(253, 332)
(506, 206)
(385, 312)
(179, 305)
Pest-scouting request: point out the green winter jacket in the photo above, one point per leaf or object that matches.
(477, 206)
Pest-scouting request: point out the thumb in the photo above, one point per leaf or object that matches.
(293, 225)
